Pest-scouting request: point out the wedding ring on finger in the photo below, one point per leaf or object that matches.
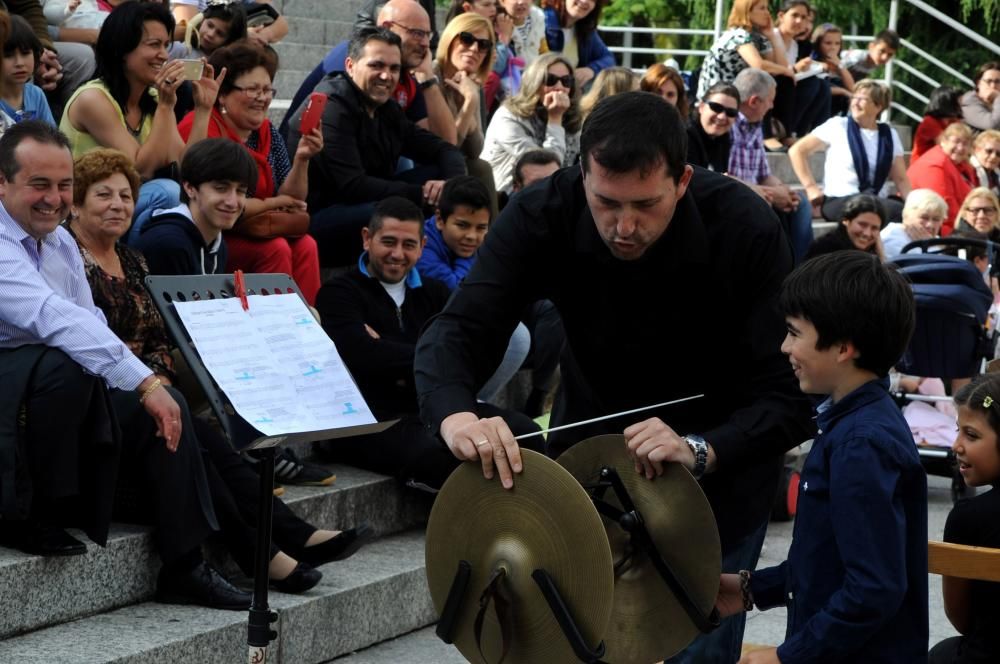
(481, 443)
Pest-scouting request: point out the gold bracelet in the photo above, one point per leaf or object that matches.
(149, 390)
(745, 590)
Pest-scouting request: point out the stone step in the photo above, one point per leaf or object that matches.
(55, 590)
(419, 647)
(316, 30)
(781, 166)
(376, 595)
(331, 10)
(294, 56)
(287, 82)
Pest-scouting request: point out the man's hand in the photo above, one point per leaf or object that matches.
(164, 411)
(48, 73)
(651, 442)
(371, 332)
(432, 191)
(765, 656)
(489, 440)
(730, 599)
(783, 198)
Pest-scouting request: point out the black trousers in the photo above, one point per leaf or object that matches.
(172, 488)
(235, 487)
(411, 453)
(547, 339)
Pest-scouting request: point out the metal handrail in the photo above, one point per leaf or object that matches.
(919, 74)
(910, 91)
(936, 62)
(954, 25)
(905, 111)
(656, 31)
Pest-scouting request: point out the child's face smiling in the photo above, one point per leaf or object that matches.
(976, 448)
(465, 229)
(816, 370)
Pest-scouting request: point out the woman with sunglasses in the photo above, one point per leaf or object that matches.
(708, 129)
(240, 114)
(543, 114)
(463, 63)
(985, 160)
(571, 29)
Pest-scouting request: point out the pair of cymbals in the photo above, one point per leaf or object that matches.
(548, 521)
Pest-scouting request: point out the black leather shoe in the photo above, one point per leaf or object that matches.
(301, 579)
(40, 539)
(340, 547)
(203, 586)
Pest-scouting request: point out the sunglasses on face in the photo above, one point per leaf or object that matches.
(720, 108)
(468, 39)
(552, 79)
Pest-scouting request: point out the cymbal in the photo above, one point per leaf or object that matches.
(546, 521)
(647, 622)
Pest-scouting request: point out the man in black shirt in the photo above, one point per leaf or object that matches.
(666, 277)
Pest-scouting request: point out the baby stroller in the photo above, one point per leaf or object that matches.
(954, 335)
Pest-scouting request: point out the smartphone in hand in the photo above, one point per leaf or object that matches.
(313, 113)
(192, 70)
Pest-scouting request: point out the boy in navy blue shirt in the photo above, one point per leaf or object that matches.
(855, 582)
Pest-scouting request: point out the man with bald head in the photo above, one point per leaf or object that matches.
(418, 91)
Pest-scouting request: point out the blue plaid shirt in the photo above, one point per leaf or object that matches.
(747, 157)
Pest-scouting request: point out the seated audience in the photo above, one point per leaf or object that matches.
(923, 214)
(363, 138)
(801, 102)
(59, 357)
(374, 314)
(826, 42)
(20, 99)
(117, 110)
(571, 29)
(980, 107)
(708, 128)
(611, 81)
(945, 168)
(104, 190)
(543, 114)
(942, 110)
(861, 62)
(980, 212)
(666, 82)
(218, 25)
(972, 606)
(747, 42)
(533, 166)
(418, 91)
(864, 215)
(748, 159)
(463, 62)
(985, 160)
(862, 156)
(274, 31)
(528, 39)
(282, 184)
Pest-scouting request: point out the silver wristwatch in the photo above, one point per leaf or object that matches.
(700, 450)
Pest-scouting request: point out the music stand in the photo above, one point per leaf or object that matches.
(241, 434)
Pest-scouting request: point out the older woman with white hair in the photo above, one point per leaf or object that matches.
(543, 114)
(923, 214)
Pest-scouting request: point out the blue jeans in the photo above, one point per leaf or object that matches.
(800, 230)
(723, 645)
(158, 194)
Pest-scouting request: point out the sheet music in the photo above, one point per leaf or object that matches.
(275, 363)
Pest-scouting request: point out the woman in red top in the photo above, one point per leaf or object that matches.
(240, 114)
(945, 168)
(943, 109)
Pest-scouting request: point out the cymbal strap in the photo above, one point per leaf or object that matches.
(496, 592)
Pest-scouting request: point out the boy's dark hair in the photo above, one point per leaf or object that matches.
(851, 296)
(888, 37)
(22, 38)
(217, 159)
(356, 47)
(533, 158)
(861, 203)
(943, 103)
(463, 190)
(120, 35)
(634, 130)
(395, 207)
(234, 14)
(983, 395)
(971, 251)
(38, 131)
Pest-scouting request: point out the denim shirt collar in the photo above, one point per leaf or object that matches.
(412, 277)
(828, 412)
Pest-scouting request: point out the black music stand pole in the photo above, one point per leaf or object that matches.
(259, 632)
